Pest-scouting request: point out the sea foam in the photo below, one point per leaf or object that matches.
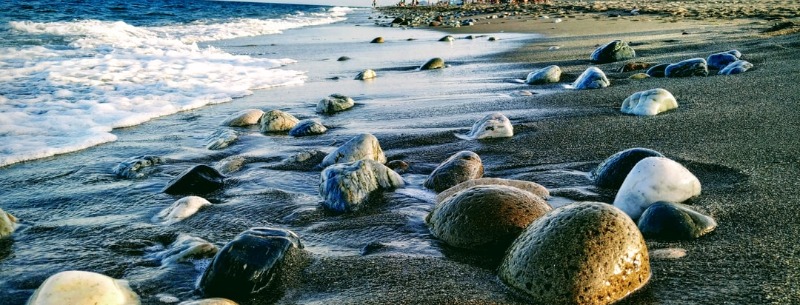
(62, 98)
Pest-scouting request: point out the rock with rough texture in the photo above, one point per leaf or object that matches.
(674, 221)
(361, 147)
(485, 216)
(308, 127)
(532, 187)
(546, 75)
(687, 68)
(718, 61)
(736, 67)
(200, 179)
(186, 248)
(493, 125)
(334, 103)
(303, 161)
(657, 70)
(448, 38)
(137, 167)
(8, 223)
(347, 186)
(220, 139)
(592, 78)
(649, 102)
(616, 50)
(210, 301)
(613, 170)
(181, 209)
(249, 265)
(277, 121)
(460, 167)
(655, 179)
(366, 74)
(433, 63)
(377, 40)
(582, 253)
(83, 287)
(245, 117)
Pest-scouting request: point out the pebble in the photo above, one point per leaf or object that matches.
(616, 50)
(460, 167)
(308, 127)
(674, 221)
(334, 103)
(245, 117)
(736, 67)
(592, 78)
(433, 63)
(655, 179)
(649, 102)
(494, 125)
(687, 68)
(200, 179)
(361, 147)
(347, 186)
(277, 121)
(366, 74)
(549, 74)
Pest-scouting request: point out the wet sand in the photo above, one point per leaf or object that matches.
(737, 134)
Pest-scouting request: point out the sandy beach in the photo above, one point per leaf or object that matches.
(736, 133)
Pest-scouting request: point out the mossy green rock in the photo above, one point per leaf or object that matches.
(582, 253)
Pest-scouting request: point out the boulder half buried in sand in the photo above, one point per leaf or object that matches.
(655, 179)
(460, 167)
(245, 117)
(649, 102)
(250, 264)
(616, 50)
(308, 127)
(546, 75)
(277, 121)
(736, 67)
(493, 125)
(83, 287)
(366, 74)
(485, 216)
(657, 70)
(592, 78)
(687, 68)
(361, 147)
(532, 187)
(334, 103)
(346, 186)
(433, 63)
(8, 223)
(674, 221)
(613, 170)
(200, 179)
(718, 61)
(581, 253)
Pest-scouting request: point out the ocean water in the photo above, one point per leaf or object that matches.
(87, 85)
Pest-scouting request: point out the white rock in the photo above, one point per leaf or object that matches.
(649, 102)
(245, 117)
(549, 74)
(345, 186)
(366, 74)
(181, 209)
(655, 179)
(362, 147)
(277, 121)
(83, 288)
(592, 78)
(8, 223)
(495, 125)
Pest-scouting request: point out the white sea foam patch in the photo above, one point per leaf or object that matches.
(61, 99)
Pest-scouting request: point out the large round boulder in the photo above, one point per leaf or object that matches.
(613, 170)
(460, 167)
(277, 121)
(592, 78)
(8, 223)
(616, 50)
(485, 216)
(361, 147)
(532, 187)
(546, 75)
(582, 253)
(493, 125)
(687, 68)
(674, 221)
(200, 179)
(649, 102)
(655, 179)
(334, 103)
(83, 287)
(245, 117)
(347, 186)
(250, 264)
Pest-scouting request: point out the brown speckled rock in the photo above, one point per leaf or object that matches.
(533, 187)
(460, 167)
(582, 253)
(485, 216)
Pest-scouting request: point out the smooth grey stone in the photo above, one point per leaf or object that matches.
(720, 60)
(308, 127)
(616, 50)
(277, 121)
(200, 179)
(137, 167)
(674, 221)
(245, 117)
(433, 63)
(592, 78)
(546, 75)
(460, 167)
(334, 103)
(249, 265)
(687, 68)
(736, 67)
(347, 186)
(613, 170)
(657, 70)
(364, 146)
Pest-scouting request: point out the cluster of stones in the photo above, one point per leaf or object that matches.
(725, 63)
